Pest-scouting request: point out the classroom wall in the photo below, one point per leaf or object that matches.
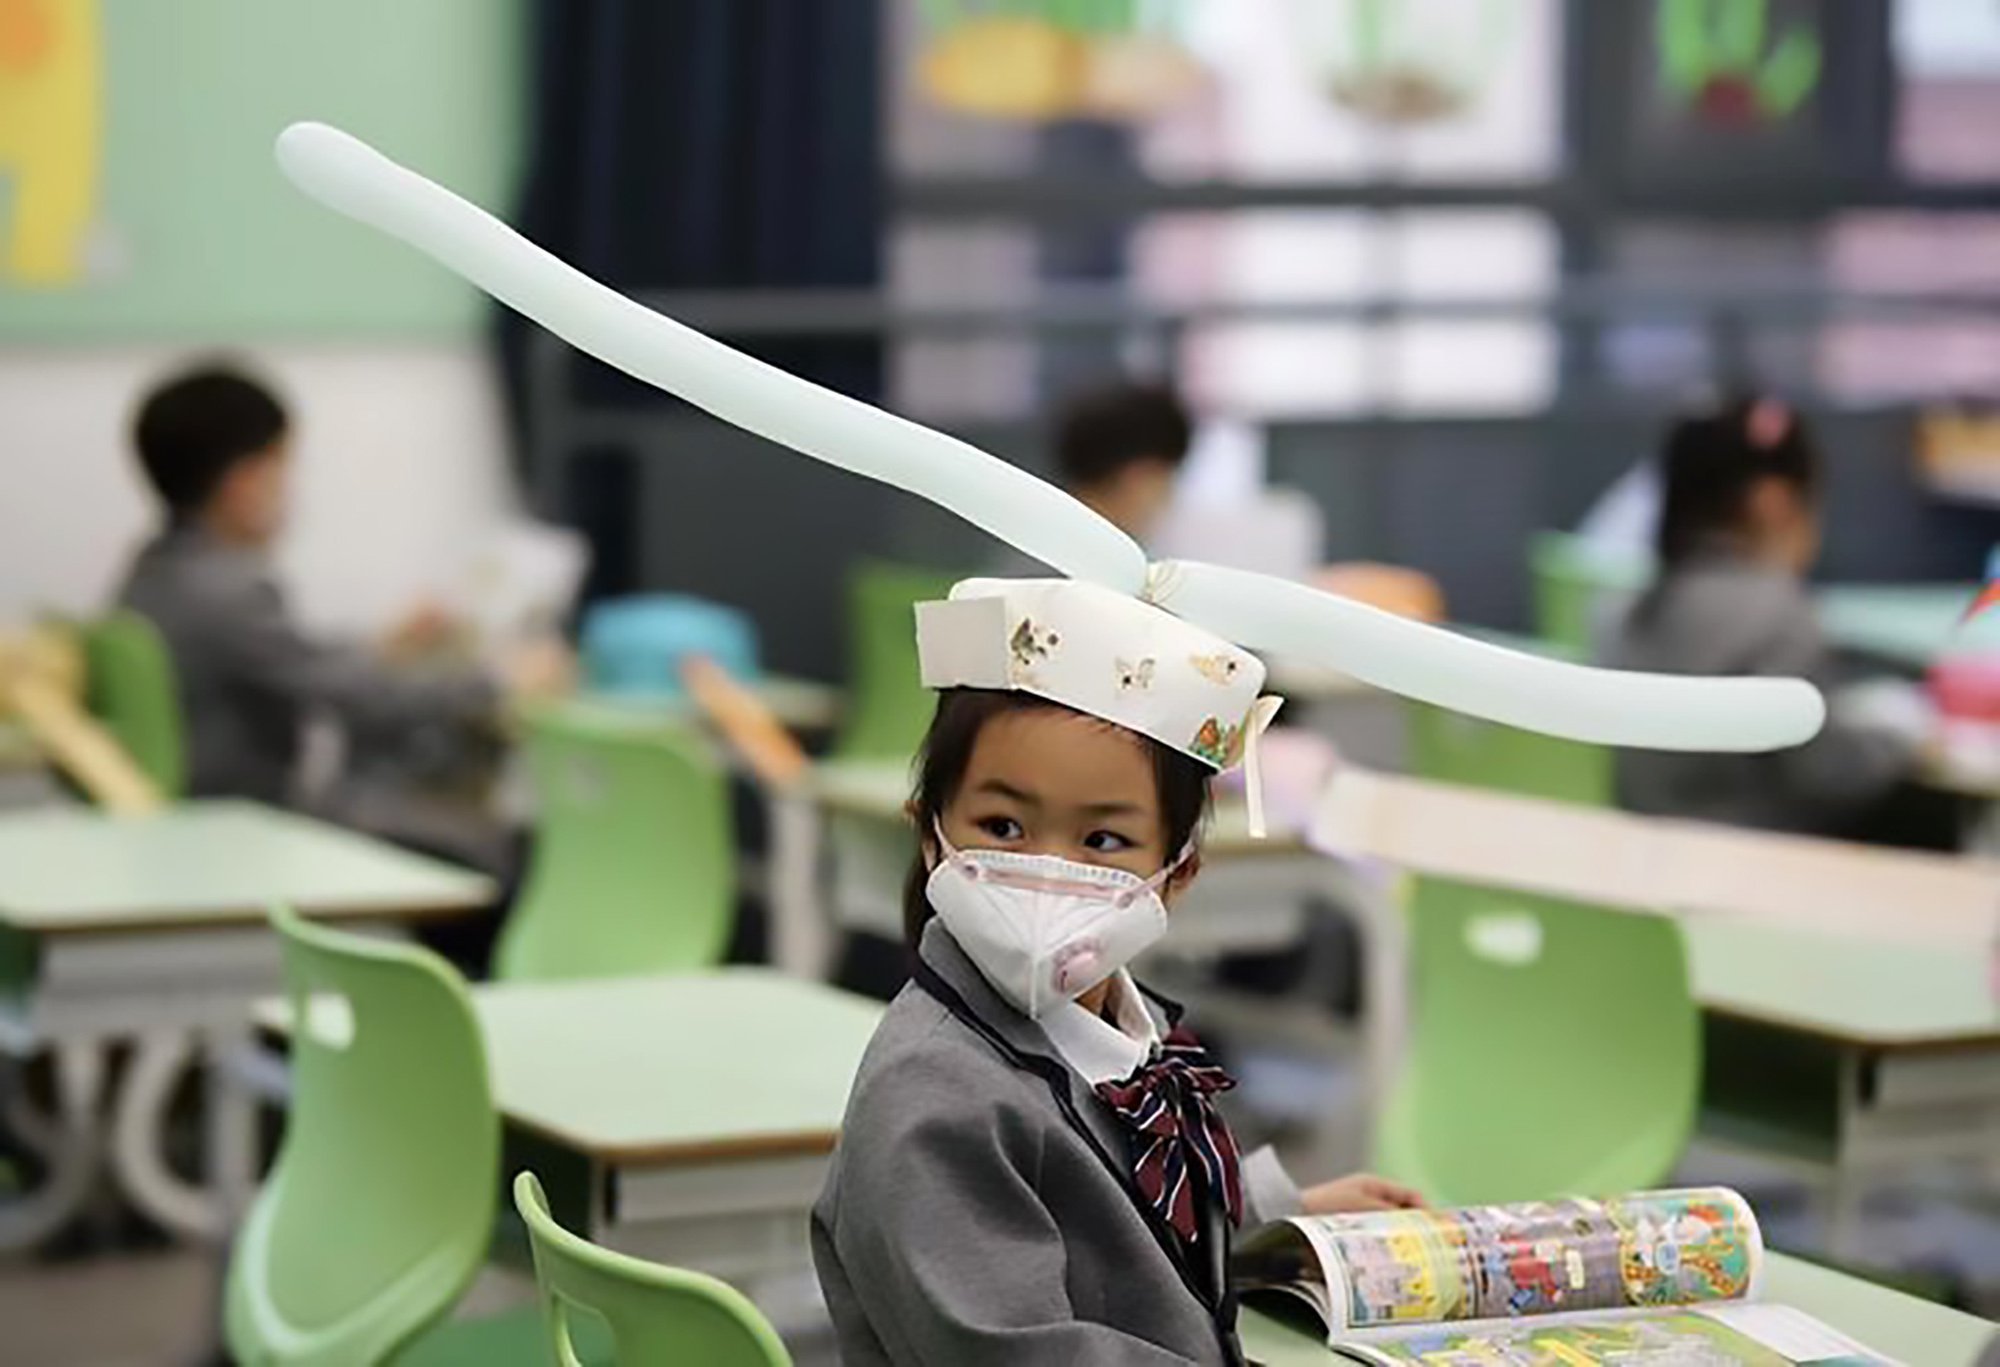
(197, 244)
(398, 470)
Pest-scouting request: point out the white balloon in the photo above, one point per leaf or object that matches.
(1667, 712)
(353, 178)
(1603, 706)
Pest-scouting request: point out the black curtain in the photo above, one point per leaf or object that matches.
(697, 144)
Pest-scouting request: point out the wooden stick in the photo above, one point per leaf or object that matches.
(746, 723)
(41, 680)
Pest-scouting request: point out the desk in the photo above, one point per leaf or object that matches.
(1907, 625)
(1247, 897)
(1912, 1331)
(151, 929)
(1861, 1056)
(799, 704)
(701, 1107)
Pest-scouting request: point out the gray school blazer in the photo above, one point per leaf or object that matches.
(980, 1209)
(248, 676)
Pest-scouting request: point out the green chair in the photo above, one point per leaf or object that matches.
(888, 707)
(1573, 581)
(1450, 747)
(656, 1315)
(1555, 1049)
(633, 868)
(132, 690)
(380, 1208)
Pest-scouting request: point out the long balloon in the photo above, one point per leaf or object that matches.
(353, 178)
(1257, 611)
(1603, 706)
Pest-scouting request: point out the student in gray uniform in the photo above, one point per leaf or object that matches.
(213, 444)
(1032, 1168)
(1739, 530)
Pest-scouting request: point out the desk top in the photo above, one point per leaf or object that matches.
(799, 704)
(18, 749)
(1868, 993)
(1903, 624)
(877, 789)
(731, 1063)
(67, 870)
(1911, 1330)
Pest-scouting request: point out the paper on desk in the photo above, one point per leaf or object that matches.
(521, 583)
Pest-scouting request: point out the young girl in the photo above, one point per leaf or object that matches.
(1739, 530)
(1032, 1168)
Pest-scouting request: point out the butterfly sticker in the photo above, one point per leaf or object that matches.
(1136, 676)
(1031, 643)
(1217, 744)
(1217, 668)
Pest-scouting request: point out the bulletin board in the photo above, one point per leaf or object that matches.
(139, 200)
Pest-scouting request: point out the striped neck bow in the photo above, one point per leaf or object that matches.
(1177, 1136)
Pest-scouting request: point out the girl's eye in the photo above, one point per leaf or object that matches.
(1106, 842)
(1001, 827)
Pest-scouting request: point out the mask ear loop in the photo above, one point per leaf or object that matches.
(1261, 714)
(948, 853)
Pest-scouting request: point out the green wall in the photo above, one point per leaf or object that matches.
(212, 245)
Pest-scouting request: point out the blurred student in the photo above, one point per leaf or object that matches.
(214, 444)
(1739, 530)
(1118, 449)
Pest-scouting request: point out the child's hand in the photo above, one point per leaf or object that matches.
(1359, 1192)
(425, 630)
(539, 671)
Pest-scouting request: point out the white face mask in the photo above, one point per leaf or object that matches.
(1043, 929)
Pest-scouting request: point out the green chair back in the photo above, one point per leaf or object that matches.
(1450, 747)
(1555, 1049)
(1572, 580)
(133, 691)
(888, 707)
(379, 1211)
(656, 1315)
(633, 868)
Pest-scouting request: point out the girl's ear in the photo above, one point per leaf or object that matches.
(1179, 881)
(927, 846)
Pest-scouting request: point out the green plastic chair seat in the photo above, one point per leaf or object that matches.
(1571, 579)
(1555, 1049)
(888, 707)
(1450, 747)
(132, 689)
(513, 1339)
(379, 1210)
(634, 863)
(654, 1316)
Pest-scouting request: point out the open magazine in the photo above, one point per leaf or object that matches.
(1659, 1279)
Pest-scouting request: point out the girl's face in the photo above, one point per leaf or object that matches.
(1049, 781)
(1783, 523)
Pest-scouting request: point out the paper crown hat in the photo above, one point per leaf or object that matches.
(1125, 611)
(1101, 652)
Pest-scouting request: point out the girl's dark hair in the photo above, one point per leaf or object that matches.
(962, 713)
(1711, 462)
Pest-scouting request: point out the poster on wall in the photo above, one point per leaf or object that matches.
(1762, 96)
(1947, 89)
(137, 196)
(51, 119)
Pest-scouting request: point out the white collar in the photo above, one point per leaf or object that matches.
(1097, 1049)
